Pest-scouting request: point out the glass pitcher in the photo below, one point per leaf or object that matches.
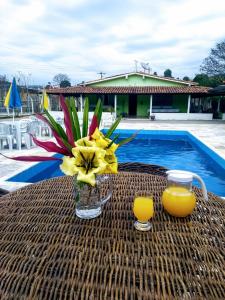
(178, 199)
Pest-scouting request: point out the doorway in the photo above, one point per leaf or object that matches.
(132, 105)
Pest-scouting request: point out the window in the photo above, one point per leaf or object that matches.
(162, 100)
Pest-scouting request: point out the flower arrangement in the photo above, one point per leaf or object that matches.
(87, 152)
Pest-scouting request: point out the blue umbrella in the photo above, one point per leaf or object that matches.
(13, 99)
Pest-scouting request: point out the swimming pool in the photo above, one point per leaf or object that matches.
(171, 149)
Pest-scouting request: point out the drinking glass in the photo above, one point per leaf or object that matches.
(143, 209)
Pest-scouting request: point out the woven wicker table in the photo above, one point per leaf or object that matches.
(48, 253)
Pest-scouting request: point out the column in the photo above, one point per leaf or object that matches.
(150, 105)
(81, 102)
(74, 99)
(50, 103)
(189, 104)
(32, 105)
(218, 106)
(115, 105)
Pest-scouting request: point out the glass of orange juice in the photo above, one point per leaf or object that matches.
(143, 209)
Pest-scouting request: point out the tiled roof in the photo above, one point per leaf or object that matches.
(140, 74)
(130, 90)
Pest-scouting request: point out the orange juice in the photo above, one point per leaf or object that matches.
(143, 208)
(178, 201)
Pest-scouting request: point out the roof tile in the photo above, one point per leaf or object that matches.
(130, 90)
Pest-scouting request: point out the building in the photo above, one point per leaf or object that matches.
(141, 95)
(219, 104)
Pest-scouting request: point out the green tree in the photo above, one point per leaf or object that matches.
(48, 86)
(202, 79)
(216, 80)
(205, 80)
(186, 78)
(64, 83)
(57, 79)
(168, 73)
(214, 64)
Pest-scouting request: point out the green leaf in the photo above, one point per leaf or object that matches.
(113, 127)
(127, 140)
(98, 111)
(75, 120)
(62, 132)
(71, 117)
(85, 118)
(50, 119)
(113, 141)
(58, 128)
(67, 144)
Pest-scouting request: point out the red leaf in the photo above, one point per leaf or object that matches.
(32, 158)
(50, 146)
(93, 126)
(55, 134)
(67, 120)
(44, 119)
(59, 141)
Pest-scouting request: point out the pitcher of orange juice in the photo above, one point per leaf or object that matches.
(178, 199)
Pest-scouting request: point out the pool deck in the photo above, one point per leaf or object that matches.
(211, 133)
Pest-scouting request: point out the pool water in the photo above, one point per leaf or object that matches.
(175, 154)
(173, 150)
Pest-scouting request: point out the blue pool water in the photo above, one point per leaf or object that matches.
(171, 149)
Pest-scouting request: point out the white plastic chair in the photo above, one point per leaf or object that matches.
(21, 133)
(107, 119)
(33, 118)
(5, 135)
(44, 128)
(33, 129)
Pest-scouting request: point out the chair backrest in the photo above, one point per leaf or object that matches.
(4, 129)
(108, 118)
(24, 125)
(27, 120)
(33, 128)
(33, 118)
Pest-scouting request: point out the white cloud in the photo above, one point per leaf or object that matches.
(83, 37)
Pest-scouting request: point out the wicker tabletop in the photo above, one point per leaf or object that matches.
(46, 252)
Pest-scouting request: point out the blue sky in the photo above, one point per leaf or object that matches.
(83, 37)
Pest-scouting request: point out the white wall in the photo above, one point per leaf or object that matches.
(56, 114)
(158, 116)
(182, 116)
(105, 115)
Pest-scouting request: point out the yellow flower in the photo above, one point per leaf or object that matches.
(68, 166)
(97, 134)
(99, 139)
(84, 142)
(103, 142)
(89, 161)
(91, 157)
(112, 164)
(112, 149)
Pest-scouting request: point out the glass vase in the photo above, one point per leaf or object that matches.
(90, 199)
